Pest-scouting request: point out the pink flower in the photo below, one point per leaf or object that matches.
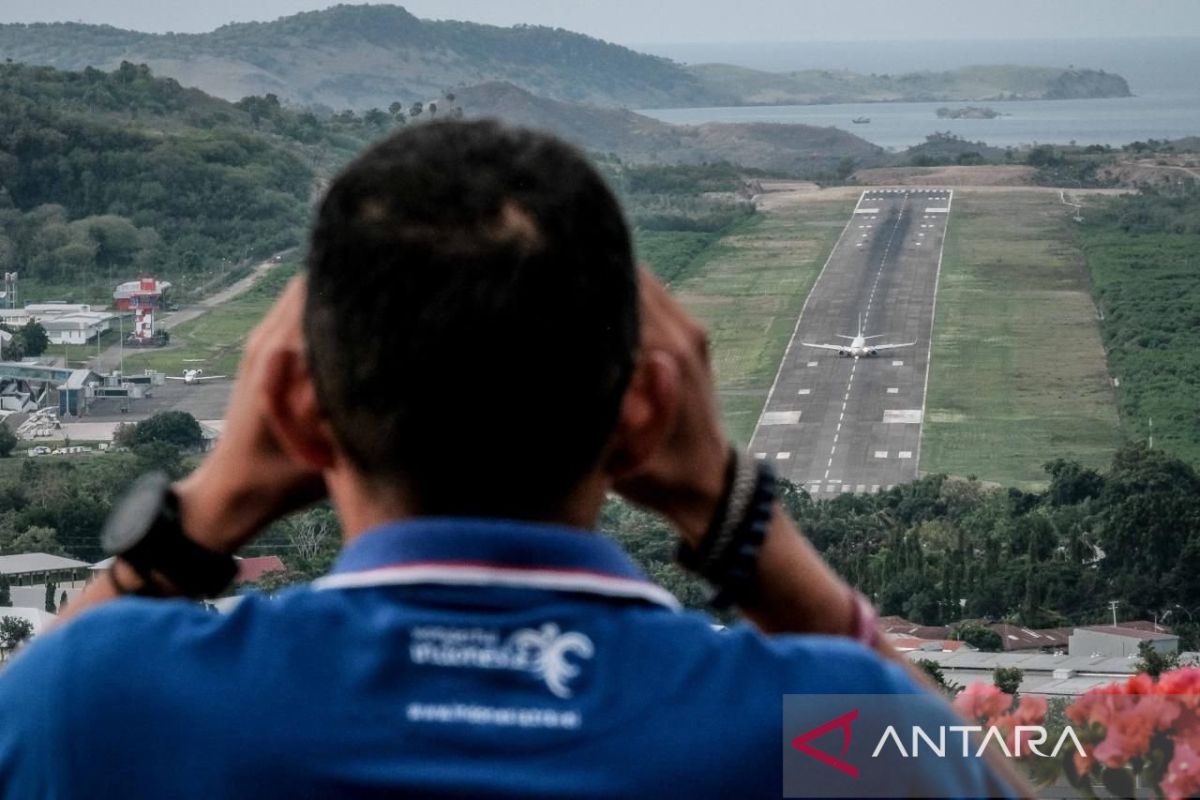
(1183, 773)
(1030, 711)
(982, 701)
(1184, 684)
(1131, 725)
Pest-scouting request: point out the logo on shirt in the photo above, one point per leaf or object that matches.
(547, 652)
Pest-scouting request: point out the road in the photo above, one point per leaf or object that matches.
(835, 425)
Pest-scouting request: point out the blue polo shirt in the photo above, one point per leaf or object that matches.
(440, 658)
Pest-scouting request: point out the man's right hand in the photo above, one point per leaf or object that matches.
(248, 481)
(684, 478)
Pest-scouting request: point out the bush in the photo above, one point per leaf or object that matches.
(8, 441)
(177, 428)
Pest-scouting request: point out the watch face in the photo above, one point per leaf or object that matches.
(134, 515)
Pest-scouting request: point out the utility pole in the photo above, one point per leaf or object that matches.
(1113, 605)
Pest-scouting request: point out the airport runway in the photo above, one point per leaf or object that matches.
(834, 424)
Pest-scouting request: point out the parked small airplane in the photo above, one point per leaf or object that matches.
(858, 347)
(194, 376)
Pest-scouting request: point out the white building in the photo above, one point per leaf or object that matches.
(77, 328)
(65, 323)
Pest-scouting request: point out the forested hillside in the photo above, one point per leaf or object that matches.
(104, 175)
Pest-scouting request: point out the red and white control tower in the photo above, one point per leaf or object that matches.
(143, 297)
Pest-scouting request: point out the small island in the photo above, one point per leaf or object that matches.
(969, 112)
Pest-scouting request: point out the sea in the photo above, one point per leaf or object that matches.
(1163, 74)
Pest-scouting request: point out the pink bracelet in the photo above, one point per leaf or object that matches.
(865, 622)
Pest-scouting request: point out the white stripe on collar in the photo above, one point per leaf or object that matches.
(508, 577)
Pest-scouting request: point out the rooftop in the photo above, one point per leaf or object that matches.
(252, 569)
(1130, 632)
(37, 562)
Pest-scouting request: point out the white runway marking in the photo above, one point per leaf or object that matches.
(812, 363)
(760, 456)
(878, 453)
(897, 363)
(805, 391)
(893, 390)
(782, 456)
(905, 454)
(780, 418)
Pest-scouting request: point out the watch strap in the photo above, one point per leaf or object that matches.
(165, 553)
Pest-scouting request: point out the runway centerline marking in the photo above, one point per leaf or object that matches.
(867, 316)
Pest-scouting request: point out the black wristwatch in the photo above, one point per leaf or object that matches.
(144, 531)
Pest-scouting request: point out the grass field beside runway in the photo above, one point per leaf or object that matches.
(1018, 375)
(748, 287)
(214, 341)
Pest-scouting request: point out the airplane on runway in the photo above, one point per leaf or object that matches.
(858, 347)
(194, 376)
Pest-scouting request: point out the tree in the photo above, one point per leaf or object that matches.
(979, 637)
(1008, 679)
(13, 631)
(5, 595)
(159, 457)
(177, 428)
(34, 338)
(8, 441)
(51, 587)
(1153, 662)
(934, 671)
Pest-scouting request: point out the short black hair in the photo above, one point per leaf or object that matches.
(472, 316)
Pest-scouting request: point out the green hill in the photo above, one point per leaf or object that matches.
(364, 57)
(367, 56)
(104, 175)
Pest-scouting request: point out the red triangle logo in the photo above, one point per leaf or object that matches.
(842, 723)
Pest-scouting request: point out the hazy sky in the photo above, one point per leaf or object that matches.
(633, 21)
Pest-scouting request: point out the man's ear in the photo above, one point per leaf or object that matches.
(647, 415)
(293, 412)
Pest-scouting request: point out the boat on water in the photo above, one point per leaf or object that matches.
(861, 120)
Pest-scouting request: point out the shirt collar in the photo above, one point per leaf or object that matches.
(491, 553)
